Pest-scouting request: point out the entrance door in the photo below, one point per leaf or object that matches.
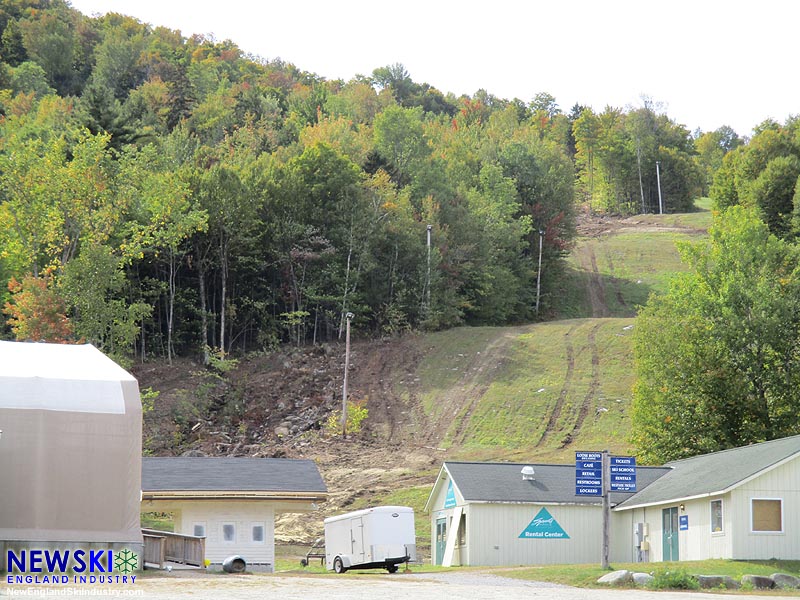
(441, 539)
(669, 533)
(357, 539)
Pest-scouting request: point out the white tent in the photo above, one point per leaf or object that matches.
(70, 450)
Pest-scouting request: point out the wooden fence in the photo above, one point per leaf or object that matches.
(161, 547)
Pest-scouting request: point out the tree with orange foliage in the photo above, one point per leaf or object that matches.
(36, 312)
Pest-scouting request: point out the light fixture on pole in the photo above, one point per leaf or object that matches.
(349, 316)
(539, 272)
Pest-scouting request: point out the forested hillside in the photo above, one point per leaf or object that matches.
(164, 195)
(180, 204)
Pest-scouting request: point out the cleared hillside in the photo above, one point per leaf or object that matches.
(533, 393)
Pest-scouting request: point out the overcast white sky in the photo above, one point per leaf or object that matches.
(710, 62)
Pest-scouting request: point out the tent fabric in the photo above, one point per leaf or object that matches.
(70, 451)
(60, 377)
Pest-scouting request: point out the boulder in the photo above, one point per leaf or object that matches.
(622, 577)
(642, 579)
(782, 580)
(708, 582)
(759, 582)
(281, 431)
(195, 453)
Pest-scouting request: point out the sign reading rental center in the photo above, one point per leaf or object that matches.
(544, 526)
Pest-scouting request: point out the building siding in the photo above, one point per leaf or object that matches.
(243, 515)
(493, 529)
(782, 482)
(493, 532)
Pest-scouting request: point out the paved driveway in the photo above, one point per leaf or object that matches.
(419, 586)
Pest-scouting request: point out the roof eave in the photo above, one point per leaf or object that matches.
(428, 502)
(234, 495)
(726, 490)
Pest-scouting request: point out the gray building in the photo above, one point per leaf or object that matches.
(232, 502)
(491, 514)
(740, 503)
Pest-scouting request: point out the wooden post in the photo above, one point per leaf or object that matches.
(606, 509)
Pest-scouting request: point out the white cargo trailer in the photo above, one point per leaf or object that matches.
(374, 538)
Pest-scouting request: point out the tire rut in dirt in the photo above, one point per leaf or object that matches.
(597, 289)
(617, 289)
(460, 405)
(594, 385)
(555, 414)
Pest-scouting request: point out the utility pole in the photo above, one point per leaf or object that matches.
(606, 478)
(658, 179)
(539, 272)
(349, 316)
(428, 278)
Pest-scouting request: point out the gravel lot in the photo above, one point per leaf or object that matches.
(419, 586)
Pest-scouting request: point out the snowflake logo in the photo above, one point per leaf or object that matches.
(126, 561)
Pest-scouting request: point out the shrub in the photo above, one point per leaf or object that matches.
(674, 580)
(356, 413)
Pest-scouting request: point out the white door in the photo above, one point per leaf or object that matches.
(357, 540)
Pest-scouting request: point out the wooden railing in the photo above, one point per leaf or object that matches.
(164, 546)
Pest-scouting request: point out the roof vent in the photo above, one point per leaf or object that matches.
(527, 473)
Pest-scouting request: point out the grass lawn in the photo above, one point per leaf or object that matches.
(587, 575)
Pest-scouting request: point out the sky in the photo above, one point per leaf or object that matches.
(708, 63)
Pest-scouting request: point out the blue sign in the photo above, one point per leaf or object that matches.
(595, 465)
(623, 474)
(544, 527)
(588, 474)
(683, 522)
(450, 498)
(592, 473)
(588, 456)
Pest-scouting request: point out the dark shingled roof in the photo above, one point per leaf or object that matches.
(715, 472)
(502, 482)
(230, 474)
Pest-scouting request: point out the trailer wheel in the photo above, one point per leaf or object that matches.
(338, 565)
(303, 562)
(392, 568)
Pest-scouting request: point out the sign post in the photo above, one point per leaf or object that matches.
(599, 474)
(606, 512)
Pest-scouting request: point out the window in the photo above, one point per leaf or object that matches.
(199, 530)
(258, 532)
(767, 515)
(716, 516)
(228, 532)
(462, 531)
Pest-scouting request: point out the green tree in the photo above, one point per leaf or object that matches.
(773, 193)
(163, 218)
(399, 137)
(711, 148)
(717, 357)
(95, 287)
(49, 40)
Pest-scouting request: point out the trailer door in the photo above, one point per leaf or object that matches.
(357, 540)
